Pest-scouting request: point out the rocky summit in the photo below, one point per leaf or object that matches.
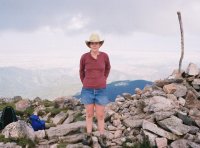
(164, 115)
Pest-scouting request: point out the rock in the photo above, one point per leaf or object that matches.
(197, 138)
(19, 129)
(59, 118)
(65, 129)
(59, 102)
(127, 96)
(192, 69)
(70, 117)
(116, 123)
(196, 83)
(181, 90)
(163, 115)
(158, 131)
(22, 105)
(40, 134)
(186, 119)
(193, 130)
(118, 134)
(9, 145)
(95, 142)
(72, 103)
(176, 74)
(151, 137)
(78, 145)
(192, 101)
(170, 88)
(133, 123)
(75, 138)
(158, 93)
(161, 83)
(120, 99)
(183, 143)
(138, 91)
(158, 103)
(161, 142)
(181, 101)
(17, 98)
(194, 112)
(174, 125)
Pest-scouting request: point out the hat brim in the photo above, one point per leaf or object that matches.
(88, 43)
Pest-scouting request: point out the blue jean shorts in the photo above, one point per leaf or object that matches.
(94, 96)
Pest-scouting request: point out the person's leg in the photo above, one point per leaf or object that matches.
(89, 117)
(100, 117)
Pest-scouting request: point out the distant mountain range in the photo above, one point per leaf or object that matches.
(55, 82)
(118, 87)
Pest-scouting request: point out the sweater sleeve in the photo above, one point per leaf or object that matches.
(82, 69)
(107, 66)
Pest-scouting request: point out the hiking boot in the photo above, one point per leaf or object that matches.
(87, 140)
(102, 141)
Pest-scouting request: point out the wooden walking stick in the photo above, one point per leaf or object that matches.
(182, 41)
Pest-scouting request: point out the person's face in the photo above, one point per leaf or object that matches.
(94, 46)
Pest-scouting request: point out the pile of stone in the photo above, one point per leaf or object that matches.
(167, 114)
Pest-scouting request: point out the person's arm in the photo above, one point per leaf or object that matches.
(82, 69)
(107, 66)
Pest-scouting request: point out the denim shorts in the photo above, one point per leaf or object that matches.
(94, 96)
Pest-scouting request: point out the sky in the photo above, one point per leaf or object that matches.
(141, 36)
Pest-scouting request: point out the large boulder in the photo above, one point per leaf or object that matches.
(174, 125)
(19, 129)
(158, 103)
(22, 105)
(59, 118)
(192, 69)
(65, 129)
(158, 131)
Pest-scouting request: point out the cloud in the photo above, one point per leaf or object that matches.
(111, 17)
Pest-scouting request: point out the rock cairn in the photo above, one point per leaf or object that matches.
(165, 114)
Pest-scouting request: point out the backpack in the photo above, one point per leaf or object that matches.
(36, 123)
(8, 116)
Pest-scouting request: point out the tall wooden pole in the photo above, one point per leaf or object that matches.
(182, 41)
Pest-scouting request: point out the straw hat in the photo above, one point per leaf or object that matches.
(94, 37)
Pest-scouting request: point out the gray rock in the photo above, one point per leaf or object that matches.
(95, 142)
(192, 69)
(118, 134)
(183, 143)
(186, 119)
(19, 129)
(151, 137)
(120, 99)
(159, 103)
(181, 101)
(75, 138)
(196, 83)
(158, 93)
(22, 105)
(127, 96)
(40, 134)
(174, 125)
(59, 118)
(78, 145)
(163, 115)
(158, 131)
(133, 123)
(181, 90)
(70, 117)
(9, 145)
(65, 129)
(161, 142)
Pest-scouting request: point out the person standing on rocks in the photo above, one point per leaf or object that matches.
(94, 70)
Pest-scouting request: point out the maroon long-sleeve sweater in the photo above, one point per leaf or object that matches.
(94, 72)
